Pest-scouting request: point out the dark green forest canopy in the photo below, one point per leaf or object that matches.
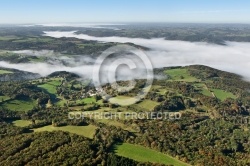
(212, 130)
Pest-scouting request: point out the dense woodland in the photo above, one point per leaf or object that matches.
(210, 132)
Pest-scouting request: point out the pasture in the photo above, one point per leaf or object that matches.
(143, 154)
(86, 131)
(180, 75)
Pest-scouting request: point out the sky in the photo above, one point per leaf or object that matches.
(173, 11)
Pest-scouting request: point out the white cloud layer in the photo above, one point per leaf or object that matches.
(233, 57)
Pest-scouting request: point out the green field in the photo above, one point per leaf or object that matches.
(51, 85)
(220, 94)
(5, 72)
(121, 100)
(49, 88)
(202, 87)
(21, 123)
(3, 98)
(143, 154)
(147, 105)
(206, 92)
(6, 38)
(112, 122)
(61, 102)
(89, 100)
(223, 95)
(180, 75)
(86, 131)
(19, 105)
(55, 81)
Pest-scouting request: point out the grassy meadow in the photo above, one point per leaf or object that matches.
(5, 72)
(86, 131)
(143, 154)
(180, 75)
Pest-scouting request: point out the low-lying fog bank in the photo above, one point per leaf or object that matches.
(233, 57)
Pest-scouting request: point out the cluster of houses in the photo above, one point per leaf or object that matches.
(91, 93)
